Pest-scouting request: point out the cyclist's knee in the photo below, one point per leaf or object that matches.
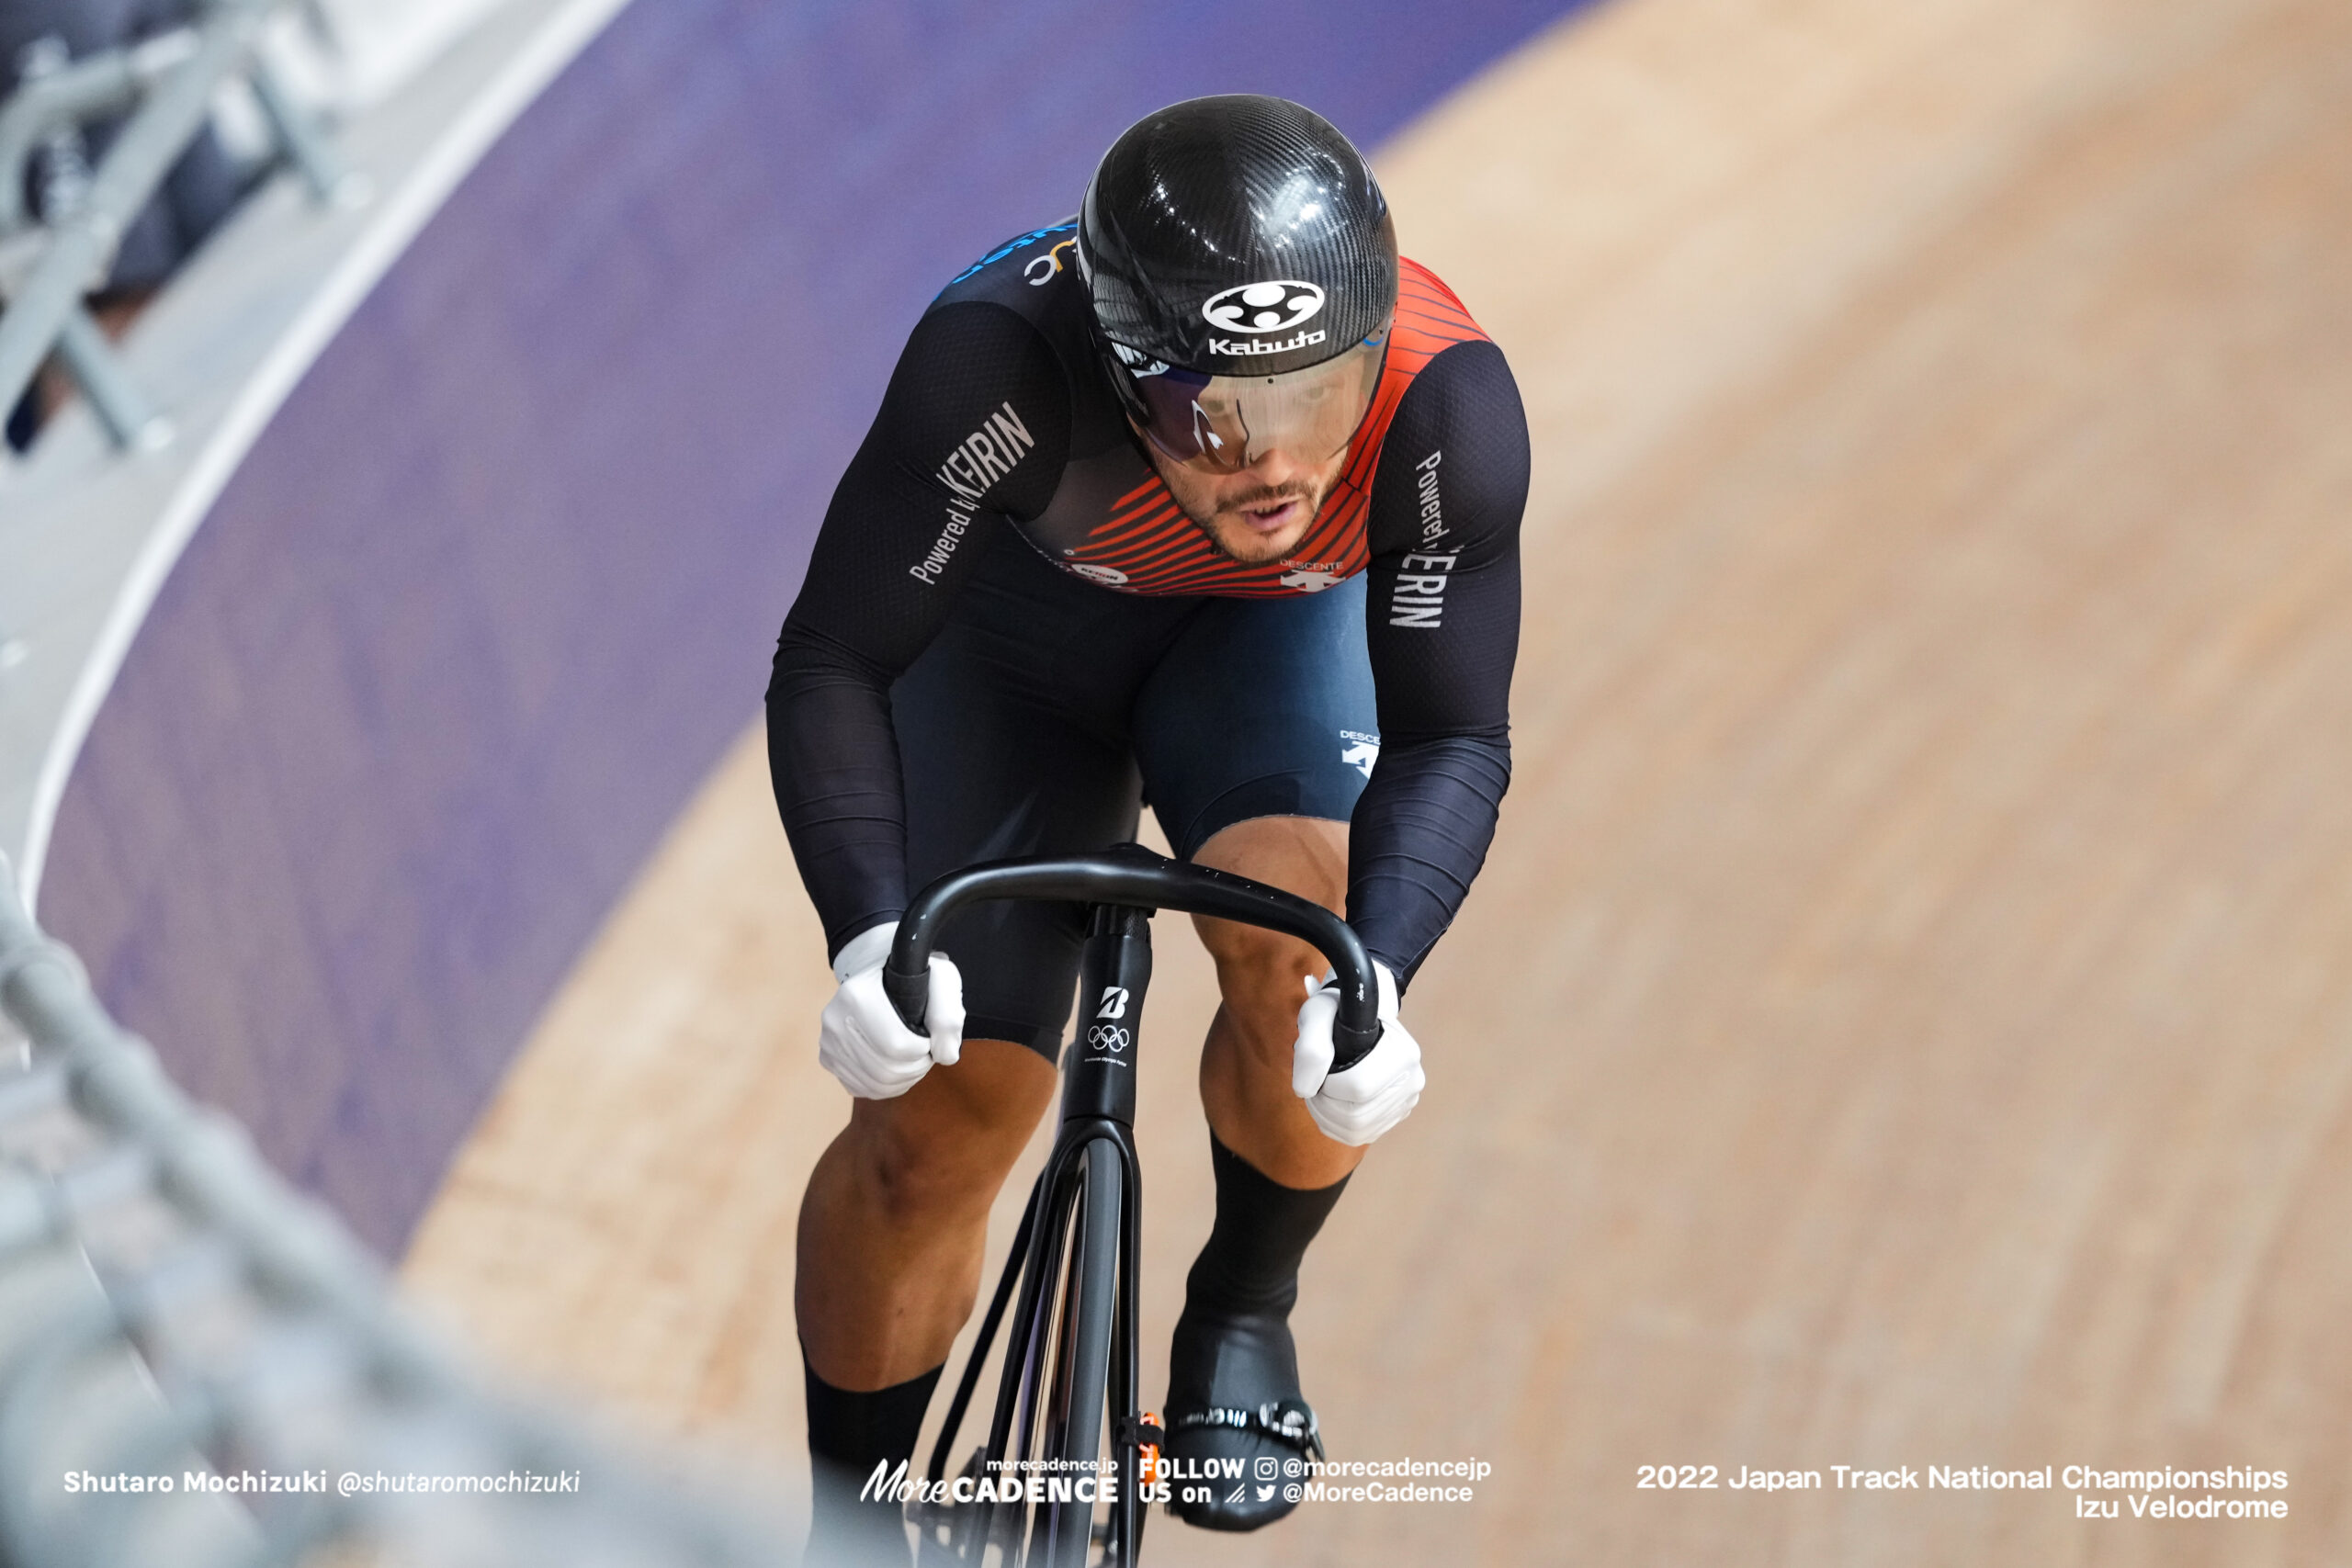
(942, 1148)
(1260, 971)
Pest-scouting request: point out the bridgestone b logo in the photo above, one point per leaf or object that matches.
(974, 464)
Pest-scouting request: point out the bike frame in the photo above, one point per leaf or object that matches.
(1093, 1161)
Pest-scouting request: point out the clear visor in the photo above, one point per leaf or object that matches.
(1224, 423)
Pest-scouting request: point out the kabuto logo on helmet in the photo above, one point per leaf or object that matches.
(1271, 307)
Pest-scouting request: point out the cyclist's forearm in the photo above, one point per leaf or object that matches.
(1418, 839)
(833, 760)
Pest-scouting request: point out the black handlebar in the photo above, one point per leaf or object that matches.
(1133, 875)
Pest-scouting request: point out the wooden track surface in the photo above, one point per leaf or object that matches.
(1907, 1019)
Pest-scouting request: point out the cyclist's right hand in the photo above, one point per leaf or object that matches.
(860, 1038)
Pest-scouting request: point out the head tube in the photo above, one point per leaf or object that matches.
(1224, 423)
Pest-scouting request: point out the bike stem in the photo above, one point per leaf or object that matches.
(1099, 1078)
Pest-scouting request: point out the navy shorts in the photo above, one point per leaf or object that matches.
(1049, 710)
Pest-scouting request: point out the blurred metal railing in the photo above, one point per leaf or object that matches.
(168, 1306)
(46, 266)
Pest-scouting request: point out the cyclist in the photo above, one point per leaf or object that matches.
(1205, 499)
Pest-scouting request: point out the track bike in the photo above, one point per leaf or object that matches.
(1064, 1466)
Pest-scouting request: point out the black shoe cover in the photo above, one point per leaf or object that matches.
(1237, 1425)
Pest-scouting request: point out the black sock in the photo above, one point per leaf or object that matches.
(849, 1435)
(1250, 1264)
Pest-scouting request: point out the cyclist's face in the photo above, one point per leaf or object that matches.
(1254, 514)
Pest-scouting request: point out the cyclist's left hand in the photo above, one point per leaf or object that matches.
(1358, 1105)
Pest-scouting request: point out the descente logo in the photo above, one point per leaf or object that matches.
(1236, 346)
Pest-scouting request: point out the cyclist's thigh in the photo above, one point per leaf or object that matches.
(1260, 707)
(1012, 741)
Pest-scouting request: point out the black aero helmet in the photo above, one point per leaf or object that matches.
(1243, 266)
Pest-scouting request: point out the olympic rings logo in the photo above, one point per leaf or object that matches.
(1109, 1036)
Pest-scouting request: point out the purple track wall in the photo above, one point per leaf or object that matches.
(498, 584)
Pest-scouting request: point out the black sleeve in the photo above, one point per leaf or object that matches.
(1443, 629)
(974, 428)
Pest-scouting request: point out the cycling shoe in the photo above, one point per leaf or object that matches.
(1237, 1425)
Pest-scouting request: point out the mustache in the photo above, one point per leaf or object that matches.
(1265, 495)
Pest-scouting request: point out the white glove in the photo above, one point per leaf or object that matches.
(1356, 1106)
(860, 1038)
